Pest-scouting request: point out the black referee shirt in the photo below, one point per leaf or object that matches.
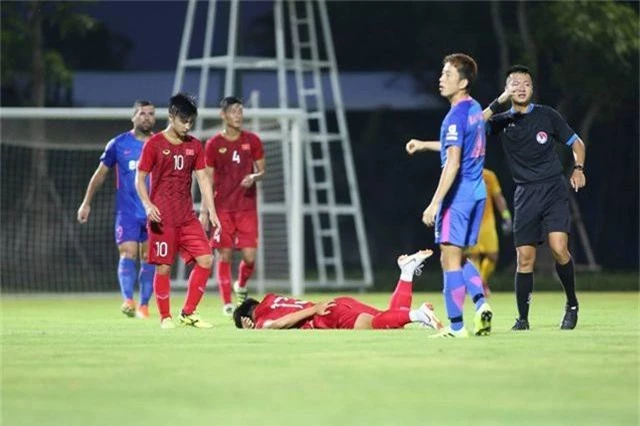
(528, 140)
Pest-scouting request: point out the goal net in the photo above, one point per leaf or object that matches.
(47, 159)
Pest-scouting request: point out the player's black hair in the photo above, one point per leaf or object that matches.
(518, 69)
(139, 103)
(228, 101)
(183, 105)
(466, 66)
(245, 309)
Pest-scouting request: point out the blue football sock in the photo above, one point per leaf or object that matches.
(127, 276)
(146, 282)
(473, 282)
(454, 292)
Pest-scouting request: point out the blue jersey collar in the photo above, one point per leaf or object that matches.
(529, 109)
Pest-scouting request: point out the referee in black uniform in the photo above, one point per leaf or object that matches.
(541, 201)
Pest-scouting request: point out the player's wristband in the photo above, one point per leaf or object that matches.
(506, 215)
(494, 106)
(579, 167)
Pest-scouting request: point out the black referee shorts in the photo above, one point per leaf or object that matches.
(541, 208)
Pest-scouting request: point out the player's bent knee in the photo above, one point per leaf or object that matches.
(205, 261)
(561, 254)
(163, 269)
(526, 259)
(363, 322)
(128, 250)
(249, 255)
(225, 255)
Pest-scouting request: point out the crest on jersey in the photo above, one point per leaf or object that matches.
(245, 147)
(542, 138)
(166, 151)
(222, 150)
(189, 151)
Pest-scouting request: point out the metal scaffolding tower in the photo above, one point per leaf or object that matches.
(325, 132)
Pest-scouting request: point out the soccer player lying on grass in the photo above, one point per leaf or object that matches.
(280, 312)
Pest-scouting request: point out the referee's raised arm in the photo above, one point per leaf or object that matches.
(495, 105)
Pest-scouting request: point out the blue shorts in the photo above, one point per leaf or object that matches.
(459, 223)
(129, 228)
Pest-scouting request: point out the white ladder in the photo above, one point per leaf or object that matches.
(308, 68)
(317, 156)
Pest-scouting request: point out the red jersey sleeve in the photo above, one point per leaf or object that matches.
(274, 307)
(200, 160)
(210, 152)
(257, 149)
(147, 158)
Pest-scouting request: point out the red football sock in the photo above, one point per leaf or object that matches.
(223, 274)
(197, 284)
(402, 295)
(393, 318)
(245, 270)
(162, 289)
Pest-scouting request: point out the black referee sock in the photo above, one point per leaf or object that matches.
(567, 276)
(524, 288)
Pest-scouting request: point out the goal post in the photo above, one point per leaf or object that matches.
(44, 178)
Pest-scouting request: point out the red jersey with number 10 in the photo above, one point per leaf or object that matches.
(274, 307)
(232, 160)
(171, 167)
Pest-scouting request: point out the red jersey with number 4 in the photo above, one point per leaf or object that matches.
(171, 167)
(232, 161)
(274, 307)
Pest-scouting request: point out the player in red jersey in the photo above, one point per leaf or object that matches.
(235, 162)
(171, 157)
(280, 312)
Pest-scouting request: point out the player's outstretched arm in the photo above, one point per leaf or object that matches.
(578, 179)
(448, 175)
(495, 105)
(290, 320)
(95, 183)
(153, 214)
(204, 213)
(249, 180)
(416, 145)
(206, 190)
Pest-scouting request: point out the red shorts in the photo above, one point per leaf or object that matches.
(239, 230)
(344, 314)
(166, 241)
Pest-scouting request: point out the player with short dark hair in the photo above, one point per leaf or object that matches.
(123, 153)
(458, 203)
(235, 162)
(171, 157)
(529, 133)
(281, 312)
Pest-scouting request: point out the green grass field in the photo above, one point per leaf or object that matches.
(75, 360)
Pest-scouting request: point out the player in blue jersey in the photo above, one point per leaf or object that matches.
(457, 206)
(123, 153)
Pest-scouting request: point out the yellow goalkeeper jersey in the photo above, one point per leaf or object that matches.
(493, 188)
